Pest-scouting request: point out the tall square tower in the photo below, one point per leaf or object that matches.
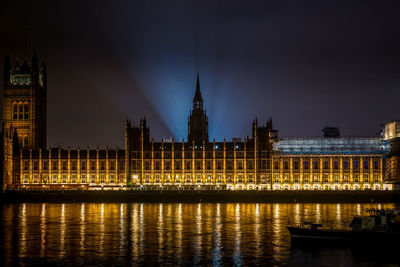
(25, 101)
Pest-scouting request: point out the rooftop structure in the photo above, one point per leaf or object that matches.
(345, 145)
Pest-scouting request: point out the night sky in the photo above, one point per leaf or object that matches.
(306, 63)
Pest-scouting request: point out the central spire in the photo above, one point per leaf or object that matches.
(198, 122)
(198, 99)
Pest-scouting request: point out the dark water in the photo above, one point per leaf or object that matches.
(175, 234)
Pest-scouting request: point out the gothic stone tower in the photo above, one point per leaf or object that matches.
(25, 101)
(198, 121)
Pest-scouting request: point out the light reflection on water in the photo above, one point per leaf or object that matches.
(176, 234)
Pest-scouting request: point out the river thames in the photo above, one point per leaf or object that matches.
(175, 234)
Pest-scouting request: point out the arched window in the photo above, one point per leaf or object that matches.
(15, 111)
(20, 111)
(26, 112)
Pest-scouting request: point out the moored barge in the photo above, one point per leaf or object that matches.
(380, 228)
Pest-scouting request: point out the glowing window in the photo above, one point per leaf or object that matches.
(250, 177)
(45, 165)
(35, 165)
(264, 164)
(26, 165)
(336, 165)
(326, 165)
(250, 164)
(187, 165)
(93, 165)
(336, 177)
(26, 112)
(276, 165)
(219, 165)
(286, 165)
(366, 165)
(83, 165)
(295, 165)
(355, 164)
(15, 112)
(305, 165)
(73, 165)
(315, 165)
(345, 165)
(20, 112)
(112, 165)
(376, 165)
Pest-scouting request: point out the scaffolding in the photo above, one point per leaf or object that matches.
(347, 145)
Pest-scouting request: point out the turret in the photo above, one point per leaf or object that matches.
(255, 127)
(272, 134)
(269, 124)
(43, 75)
(25, 107)
(35, 69)
(144, 131)
(391, 136)
(126, 137)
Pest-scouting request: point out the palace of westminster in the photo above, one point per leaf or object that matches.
(262, 162)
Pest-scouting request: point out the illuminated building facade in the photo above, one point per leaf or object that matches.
(262, 162)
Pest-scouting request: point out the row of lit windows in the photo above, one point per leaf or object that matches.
(74, 179)
(198, 165)
(74, 165)
(240, 165)
(326, 179)
(277, 178)
(199, 155)
(188, 178)
(20, 112)
(326, 165)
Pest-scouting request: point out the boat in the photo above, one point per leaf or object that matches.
(380, 228)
